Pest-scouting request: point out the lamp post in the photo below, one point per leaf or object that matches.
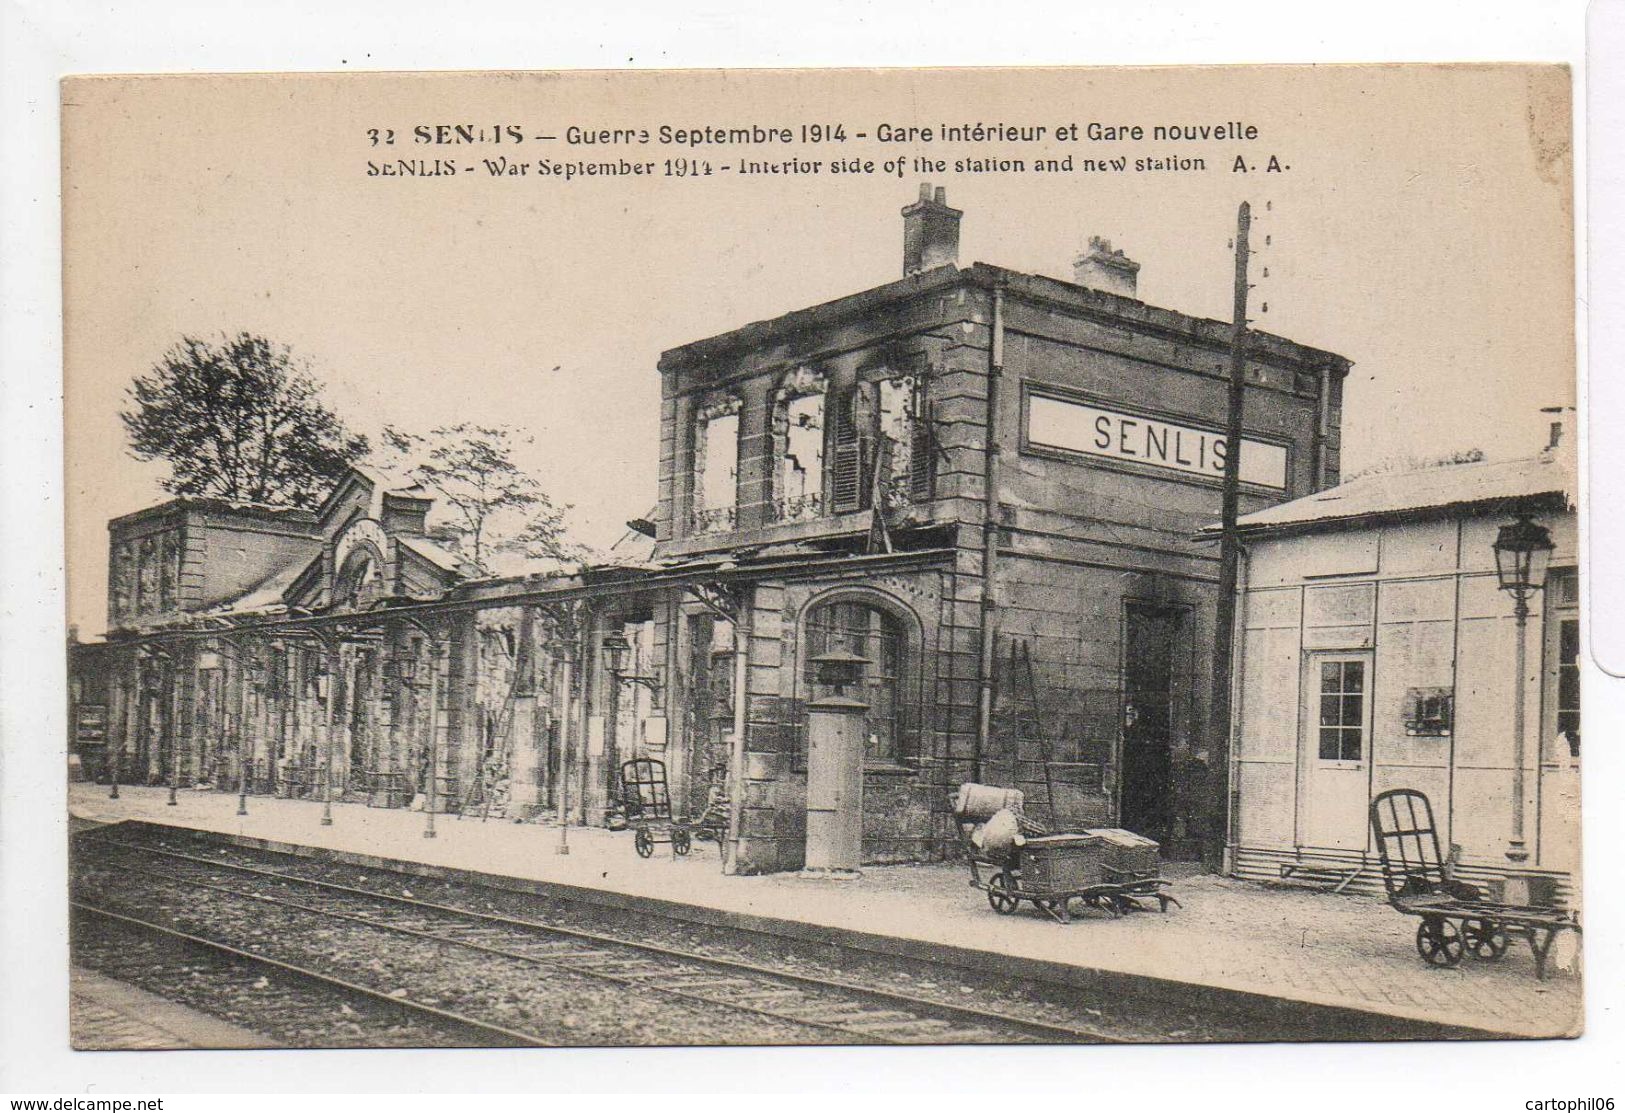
(406, 666)
(1522, 551)
(616, 651)
(405, 660)
(331, 662)
(248, 673)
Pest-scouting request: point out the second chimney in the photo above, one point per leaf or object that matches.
(1101, 268)
(930, 231)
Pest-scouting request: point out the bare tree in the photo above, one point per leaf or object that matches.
(238, 420)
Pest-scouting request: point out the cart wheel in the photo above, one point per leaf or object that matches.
(680, 842)
(1438, 941)
(644, 842)
(1485, 939)
(1001, 895)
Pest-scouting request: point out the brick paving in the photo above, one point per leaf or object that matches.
(108, 1015)
(1343, 950)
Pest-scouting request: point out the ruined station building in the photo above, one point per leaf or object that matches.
(986, 484)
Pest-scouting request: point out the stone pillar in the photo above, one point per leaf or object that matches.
(671, 697)
(771, 834)
(754, 489)
(525, 760)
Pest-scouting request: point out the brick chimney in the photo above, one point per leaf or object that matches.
(1102, 268)
(930, 231)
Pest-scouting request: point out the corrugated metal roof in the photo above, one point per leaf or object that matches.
(1430, 488)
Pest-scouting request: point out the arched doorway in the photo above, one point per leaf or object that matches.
(838, 745)
(861, 627)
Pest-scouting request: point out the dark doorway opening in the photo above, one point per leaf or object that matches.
(1152, 636)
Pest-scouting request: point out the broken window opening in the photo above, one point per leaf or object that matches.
(716, 466)
(798, 441)
(883, 447)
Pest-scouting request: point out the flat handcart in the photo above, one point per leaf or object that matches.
(1457, 918)
(1052, 871)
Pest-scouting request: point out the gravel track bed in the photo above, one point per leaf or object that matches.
(1136, 1020)
(265, 1001)
(555, 1005)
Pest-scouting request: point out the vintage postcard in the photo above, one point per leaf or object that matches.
(793, 557)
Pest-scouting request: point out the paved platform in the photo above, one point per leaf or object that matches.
(1231, 937)
(109, 1015)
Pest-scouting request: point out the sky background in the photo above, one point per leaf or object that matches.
(1423, 231)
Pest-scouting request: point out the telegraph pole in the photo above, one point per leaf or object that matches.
(1229, 557)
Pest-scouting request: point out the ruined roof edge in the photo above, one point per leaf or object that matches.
(298, 514)
(1068, 294)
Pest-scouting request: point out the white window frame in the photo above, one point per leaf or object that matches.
(1560, 606)
(1313, 692)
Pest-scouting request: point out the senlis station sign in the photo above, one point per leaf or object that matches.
(1131, 438)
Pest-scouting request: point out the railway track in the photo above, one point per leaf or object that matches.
(808, 1008)
(280, 999)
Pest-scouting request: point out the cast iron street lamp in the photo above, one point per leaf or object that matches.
(616, 649)
(1522, 551)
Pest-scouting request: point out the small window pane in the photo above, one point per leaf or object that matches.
(1568, 588)
(1330, 675)
(1330, 715)
(1353, 676)
(1330, 745)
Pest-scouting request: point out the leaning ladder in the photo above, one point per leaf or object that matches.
(484, 785)
(1029, 737)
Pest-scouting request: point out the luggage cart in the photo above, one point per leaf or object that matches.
(1052, 873)
(1456, 917)
(646, 800)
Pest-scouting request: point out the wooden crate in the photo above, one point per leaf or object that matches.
(1062, 863)
(1128, 853)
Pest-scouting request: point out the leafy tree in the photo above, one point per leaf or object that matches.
(493, 505)
(238, 420)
